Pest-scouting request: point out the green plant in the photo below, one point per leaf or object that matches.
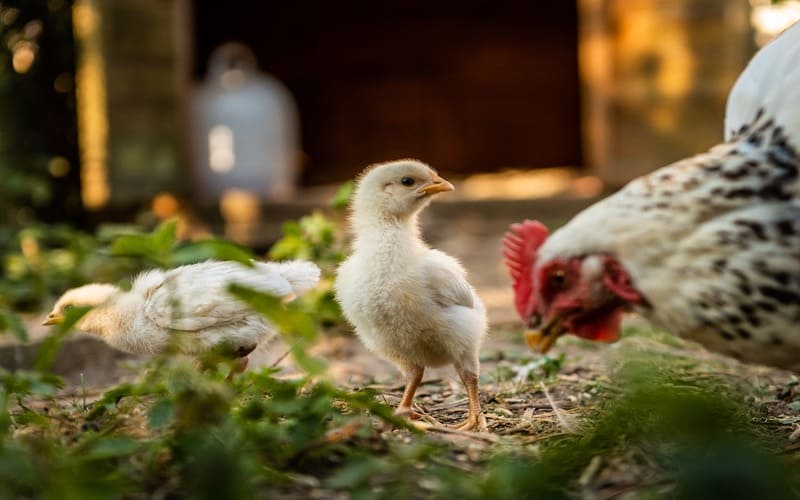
(200, 435)
(175, 430)
(320, 238)
(41, 261)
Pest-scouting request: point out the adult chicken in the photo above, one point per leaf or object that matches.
(188, 308)
(707, 248)
(409, 303)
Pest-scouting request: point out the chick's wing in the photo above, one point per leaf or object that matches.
(195, 298)
(446, 280)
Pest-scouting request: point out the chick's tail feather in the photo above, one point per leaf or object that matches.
(301, 275)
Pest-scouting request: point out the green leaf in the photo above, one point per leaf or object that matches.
(318, 228)
(164, 236)
(295, 325)
(211, 249)
(291, 228)
(106, 233)
(795, 405)
(343, 195)
(113, 447)
(290, 247)
(25, 383)
(161, 413)
(133, 245)
(51, 344)
(356, 473)
(10, 321)
(154, 247)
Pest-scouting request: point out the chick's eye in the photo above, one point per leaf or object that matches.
(557, 278)
(69, 307)
(407, 181)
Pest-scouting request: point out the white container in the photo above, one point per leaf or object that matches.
(244, 130)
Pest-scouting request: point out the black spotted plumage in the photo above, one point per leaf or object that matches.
(712, 242)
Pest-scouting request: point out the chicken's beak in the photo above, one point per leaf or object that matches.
(53, 319)
(542, 339)
(436, 185)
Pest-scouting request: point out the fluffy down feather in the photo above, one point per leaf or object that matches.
(188, 306)
(409, 303)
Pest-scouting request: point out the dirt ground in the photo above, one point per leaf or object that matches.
(521, 405)
(522, 410)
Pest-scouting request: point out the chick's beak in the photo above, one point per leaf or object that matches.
(542, 339)
(53, 319)
(436, 185)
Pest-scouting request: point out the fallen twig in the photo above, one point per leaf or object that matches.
(559, 415)
(480, 436)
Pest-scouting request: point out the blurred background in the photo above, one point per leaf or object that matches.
(224, 112)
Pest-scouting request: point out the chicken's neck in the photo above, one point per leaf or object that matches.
(388, 237)
(110, 319)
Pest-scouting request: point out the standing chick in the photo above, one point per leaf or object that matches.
(409, 303)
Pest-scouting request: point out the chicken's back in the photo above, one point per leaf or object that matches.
(192, 304)
(733, 285)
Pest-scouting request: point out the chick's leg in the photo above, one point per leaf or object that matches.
(475, 419)
(239, 366)
(413, 378)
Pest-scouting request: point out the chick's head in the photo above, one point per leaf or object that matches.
(397, 189)
(85, 296)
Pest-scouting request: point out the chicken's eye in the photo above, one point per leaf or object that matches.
(69, 307)
(407, 181)
(557, 278)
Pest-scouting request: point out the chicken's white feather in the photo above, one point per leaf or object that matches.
(409, 303)
(713, 241)
(188, 307)
(771, 84)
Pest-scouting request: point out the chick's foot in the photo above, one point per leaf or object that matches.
(474, 422)
(475, 419)
(413, 377)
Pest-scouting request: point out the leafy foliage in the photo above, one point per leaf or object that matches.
(11, 322)
(179, 431)
(162, 248)
(41, 261)
(321, 239)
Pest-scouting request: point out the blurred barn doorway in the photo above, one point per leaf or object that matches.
(467, 86)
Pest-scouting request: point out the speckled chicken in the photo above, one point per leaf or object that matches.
(187, 308)
(409, 303)
(708, 247)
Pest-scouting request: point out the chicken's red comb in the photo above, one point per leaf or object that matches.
(520, 245)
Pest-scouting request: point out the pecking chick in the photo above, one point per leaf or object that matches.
(188, 307)
(409, 303)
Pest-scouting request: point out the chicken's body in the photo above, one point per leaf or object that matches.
(188, 308)
(389, 321)
(709, 247)
(409, 303)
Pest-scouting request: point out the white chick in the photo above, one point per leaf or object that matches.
(188, 307)
(409, 303)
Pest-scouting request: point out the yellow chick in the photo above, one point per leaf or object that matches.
(188, 307)
(409, 303)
